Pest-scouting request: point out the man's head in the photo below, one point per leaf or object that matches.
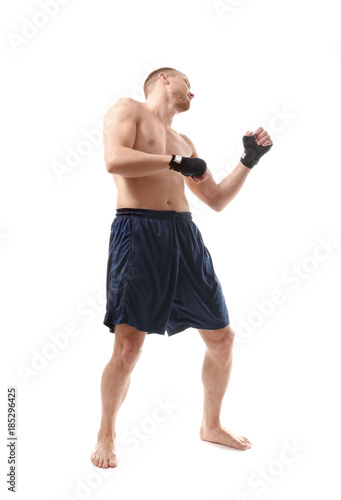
(170, 84)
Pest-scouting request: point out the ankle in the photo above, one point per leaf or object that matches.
(210, 424)
(105, 434)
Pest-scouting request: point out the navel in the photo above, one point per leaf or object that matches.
(151, 142)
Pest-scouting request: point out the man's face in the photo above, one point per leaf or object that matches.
(180, 92)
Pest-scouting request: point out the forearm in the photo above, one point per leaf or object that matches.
(132, 163)
(228, 187)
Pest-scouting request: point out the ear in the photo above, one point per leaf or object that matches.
(164, 77)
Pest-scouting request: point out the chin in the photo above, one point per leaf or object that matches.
(183, 106)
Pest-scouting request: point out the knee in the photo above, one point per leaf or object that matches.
(128, 353)
(222, 344)
(128, 345)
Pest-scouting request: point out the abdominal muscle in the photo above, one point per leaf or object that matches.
(161, 191)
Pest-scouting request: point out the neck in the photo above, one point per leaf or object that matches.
(161, 108)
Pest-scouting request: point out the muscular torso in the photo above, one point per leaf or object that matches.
(161, 191)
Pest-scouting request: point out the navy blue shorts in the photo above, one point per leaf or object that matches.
(160, 275)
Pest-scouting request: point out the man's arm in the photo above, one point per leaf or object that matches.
(119, 135)
(217, 196)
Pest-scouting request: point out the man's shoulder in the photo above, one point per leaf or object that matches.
(190, 143)
(126, 102)
(122, 109)
(129, 100)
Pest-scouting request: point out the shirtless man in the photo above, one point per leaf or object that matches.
(160, 274)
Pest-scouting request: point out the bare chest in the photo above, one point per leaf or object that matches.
(152, 137)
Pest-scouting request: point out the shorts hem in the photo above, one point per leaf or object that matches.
(203, 327)
(110, 325)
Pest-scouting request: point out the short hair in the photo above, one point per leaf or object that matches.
(154, 76)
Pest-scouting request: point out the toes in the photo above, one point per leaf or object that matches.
(247, 444)
(245, 439)
(103, 462)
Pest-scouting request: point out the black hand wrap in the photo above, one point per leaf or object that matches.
(188, 166)
(252, 151)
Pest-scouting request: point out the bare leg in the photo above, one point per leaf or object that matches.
(114, 387)
(216, 372)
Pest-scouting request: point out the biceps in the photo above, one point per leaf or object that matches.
(119, 129)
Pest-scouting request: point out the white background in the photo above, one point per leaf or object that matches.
(250, 63)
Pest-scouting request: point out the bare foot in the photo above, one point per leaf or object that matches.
(104, 453)
(221, 435)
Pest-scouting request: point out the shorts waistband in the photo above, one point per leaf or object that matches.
(152, 214)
